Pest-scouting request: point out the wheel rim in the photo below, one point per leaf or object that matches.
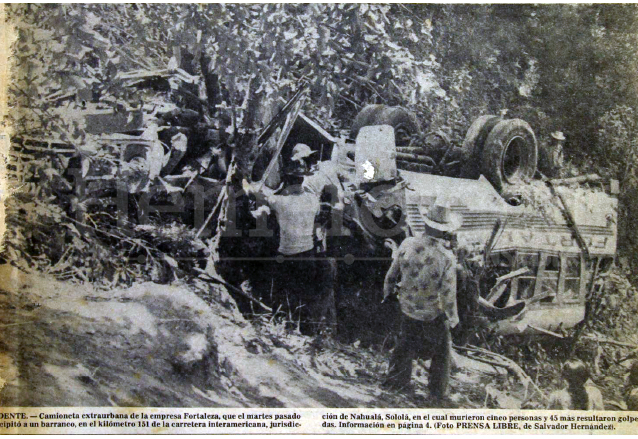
(512, 160)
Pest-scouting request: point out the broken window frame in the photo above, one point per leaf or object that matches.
(555, 265)
(566, 277)
(495, 262)
(532, 276)
(547, 274)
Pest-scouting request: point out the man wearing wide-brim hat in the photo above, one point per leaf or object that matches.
(551, 157)
(423, 279)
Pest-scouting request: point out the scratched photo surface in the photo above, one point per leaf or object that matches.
(320, 205)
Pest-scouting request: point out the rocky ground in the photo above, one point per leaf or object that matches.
(66, 344)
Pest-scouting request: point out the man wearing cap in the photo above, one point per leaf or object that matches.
(295, 207)
(304, 279)
(551, 158)
(423, 278)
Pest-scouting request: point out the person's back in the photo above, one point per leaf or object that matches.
(424, 263)
(580, 393)
(590, 399)
(296, 214)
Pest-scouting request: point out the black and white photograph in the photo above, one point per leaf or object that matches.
(341, 205)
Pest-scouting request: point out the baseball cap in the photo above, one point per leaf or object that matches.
(301, 151)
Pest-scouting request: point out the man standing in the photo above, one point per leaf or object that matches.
(631, 388)
(423, 277)
(303, 278)
(551, 157)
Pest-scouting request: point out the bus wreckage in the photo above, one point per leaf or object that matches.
(529, 249)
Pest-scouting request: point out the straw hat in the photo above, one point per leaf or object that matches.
(440, 219)
(558, 135)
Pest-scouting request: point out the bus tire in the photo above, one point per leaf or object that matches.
(472, 149)
(404, 122)
(510, 154)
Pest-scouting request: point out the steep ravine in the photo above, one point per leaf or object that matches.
(65, 344)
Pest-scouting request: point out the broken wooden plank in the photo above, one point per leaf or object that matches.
(120, 137)
(496, 292)
(279, 118)
(485, 361)
(508, 364)
(143, 74)
(521, 271)
(545, 331)
(589, 178)
(285, 131)
(608, 341)
(51, 140)
(500, 286)
(44, 150)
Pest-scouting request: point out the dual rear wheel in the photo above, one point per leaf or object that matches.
(505, 151)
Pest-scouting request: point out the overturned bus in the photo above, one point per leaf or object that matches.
(531, 240)
(546, 253)
(537, 241)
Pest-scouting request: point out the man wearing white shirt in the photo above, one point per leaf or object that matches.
(303, 278)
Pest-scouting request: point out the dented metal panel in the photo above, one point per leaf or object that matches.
(479, 206)
(536, 236)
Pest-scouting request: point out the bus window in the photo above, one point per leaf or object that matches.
(572, 278)
(527, 283)
(549, 277)
(502, 262)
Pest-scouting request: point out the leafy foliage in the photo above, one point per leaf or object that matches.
(566, 67)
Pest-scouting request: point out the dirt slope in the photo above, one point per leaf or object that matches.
(64, 344)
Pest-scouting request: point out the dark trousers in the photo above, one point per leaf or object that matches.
(304, 287)
(423, 340)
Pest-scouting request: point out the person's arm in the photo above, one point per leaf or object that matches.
(392, 278)
(265, 193)
(447, 289)
(253, 188)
